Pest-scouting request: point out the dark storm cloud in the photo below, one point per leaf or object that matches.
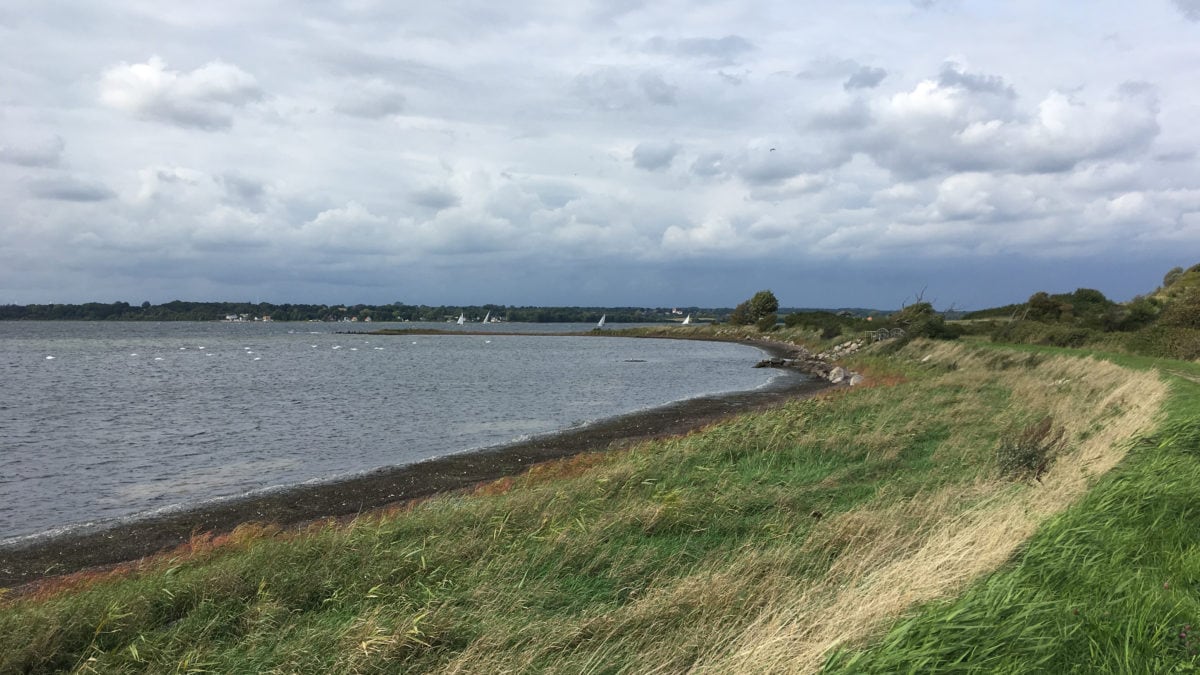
(66, 189)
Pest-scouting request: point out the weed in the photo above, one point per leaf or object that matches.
(1028, 453)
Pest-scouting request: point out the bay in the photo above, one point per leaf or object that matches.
(101, 422)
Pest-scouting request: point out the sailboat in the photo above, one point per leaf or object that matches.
(488, 318)
(462, 318)
(601, 324)
(687, 319)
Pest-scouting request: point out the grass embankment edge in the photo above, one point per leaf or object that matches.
(1109, 586)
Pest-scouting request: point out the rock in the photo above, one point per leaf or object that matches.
(856, 379)
(837, 374)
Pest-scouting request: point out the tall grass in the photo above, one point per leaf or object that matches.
(756, 544)
(1109, 586)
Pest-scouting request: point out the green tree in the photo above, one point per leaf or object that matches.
(750, 311)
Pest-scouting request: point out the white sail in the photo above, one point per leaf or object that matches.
(488, 317)
(462, 318)
(601, 324)
(687, 319)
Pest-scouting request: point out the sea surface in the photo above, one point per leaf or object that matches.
(103, 422)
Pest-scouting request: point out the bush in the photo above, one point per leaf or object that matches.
(767, 323)
(1038, 333)
(921, 320)
(1183, 310)
(1028, 454)
(1173, 342)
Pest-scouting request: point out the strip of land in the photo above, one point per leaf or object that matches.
(302, 504)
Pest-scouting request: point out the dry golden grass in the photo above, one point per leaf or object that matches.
(896, 555)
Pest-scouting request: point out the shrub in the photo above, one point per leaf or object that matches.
(1028, 453)
(767, 323)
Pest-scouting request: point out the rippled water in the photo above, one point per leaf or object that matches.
(131, 418)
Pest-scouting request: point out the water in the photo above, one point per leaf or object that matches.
(129, 419)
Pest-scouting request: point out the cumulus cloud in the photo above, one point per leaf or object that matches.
(351, 228)
(966, 123)
(953, 75)
(603, 138)
(654, 156)
(204, 98)
(47, 152)
(67, 189)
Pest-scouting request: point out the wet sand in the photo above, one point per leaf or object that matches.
(306, 503)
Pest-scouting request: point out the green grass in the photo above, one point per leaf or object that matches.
(1110, 586)
(661, 556)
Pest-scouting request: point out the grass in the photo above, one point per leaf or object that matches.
(764, 543)
(1110, 586)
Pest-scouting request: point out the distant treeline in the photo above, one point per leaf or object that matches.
(180, 310)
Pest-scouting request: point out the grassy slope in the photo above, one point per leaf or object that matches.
(757, 544)
(1109, 586)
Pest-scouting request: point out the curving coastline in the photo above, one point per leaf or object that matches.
(73, 552)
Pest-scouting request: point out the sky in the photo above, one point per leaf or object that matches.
(626, 152)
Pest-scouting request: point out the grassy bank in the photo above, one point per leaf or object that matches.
(1109, 586)
(767, 542)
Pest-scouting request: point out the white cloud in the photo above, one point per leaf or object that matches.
(546, 132)
(936, 128)
(204, 98)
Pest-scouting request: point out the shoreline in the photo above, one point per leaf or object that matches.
(290, 507)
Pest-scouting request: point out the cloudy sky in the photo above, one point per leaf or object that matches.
(596, 153)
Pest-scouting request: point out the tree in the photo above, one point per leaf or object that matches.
(1172, 276)
(762, 304)
(750, 311)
